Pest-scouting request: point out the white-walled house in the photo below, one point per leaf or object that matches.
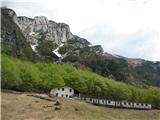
(64, 91)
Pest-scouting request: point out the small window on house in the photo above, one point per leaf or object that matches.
(90, 99)
(66, 95)
(146, 104)
(70, 90)
(125, 103)
(69, 96)
(58, 88)
(137, 104)
(142, 104)
(62, 89)
(56, 94)
(109, 101)
(129, 103)
(102, 101)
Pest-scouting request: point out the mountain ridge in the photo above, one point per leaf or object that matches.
(45, 35)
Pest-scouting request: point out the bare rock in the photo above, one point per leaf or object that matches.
(57, 103)
(57, 108)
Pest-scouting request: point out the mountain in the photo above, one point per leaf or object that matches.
(38, 36)
(138, 71)
(12, 39)
(40, 31)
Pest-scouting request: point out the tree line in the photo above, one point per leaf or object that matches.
(37, 76)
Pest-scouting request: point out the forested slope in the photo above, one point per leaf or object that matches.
(42, 77)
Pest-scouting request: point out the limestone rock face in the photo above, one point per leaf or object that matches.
(41, 28)
(24, 22)
(39, 32)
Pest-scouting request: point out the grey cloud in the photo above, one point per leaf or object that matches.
(135, 45)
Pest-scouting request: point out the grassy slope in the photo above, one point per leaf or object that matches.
(18, 106)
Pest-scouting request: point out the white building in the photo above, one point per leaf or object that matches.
(64, 91)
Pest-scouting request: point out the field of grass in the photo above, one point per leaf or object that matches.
(23, 106)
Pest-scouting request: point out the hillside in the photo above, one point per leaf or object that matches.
(20, 106)
(20, 34)
(38, 54)
(23, 75)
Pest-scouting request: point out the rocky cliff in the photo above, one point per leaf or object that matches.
(41, 28)
(13, 41)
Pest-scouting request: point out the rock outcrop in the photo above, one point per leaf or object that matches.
(43, 29)
(12, 39)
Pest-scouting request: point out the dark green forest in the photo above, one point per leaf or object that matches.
(42, 77)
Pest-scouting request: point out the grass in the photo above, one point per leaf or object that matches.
(20, 106)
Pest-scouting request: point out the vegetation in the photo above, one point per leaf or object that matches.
(40, 76)
(148, 73)
(116, 69)
(45, 47)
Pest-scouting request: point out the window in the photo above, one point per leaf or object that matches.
(66, 95)
(109, 101)
(90, 99)
(129, 103)
(146, 104)
(56, 94)
(124, 103)
(70, 90)
(58, 88)
(62, 89)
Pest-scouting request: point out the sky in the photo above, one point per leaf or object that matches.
(129, 28)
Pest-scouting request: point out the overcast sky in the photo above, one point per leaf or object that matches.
(128, 28)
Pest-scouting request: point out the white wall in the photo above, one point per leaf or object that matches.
(109, 102)
(142, 105)
(59, 92)
(126, 104)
